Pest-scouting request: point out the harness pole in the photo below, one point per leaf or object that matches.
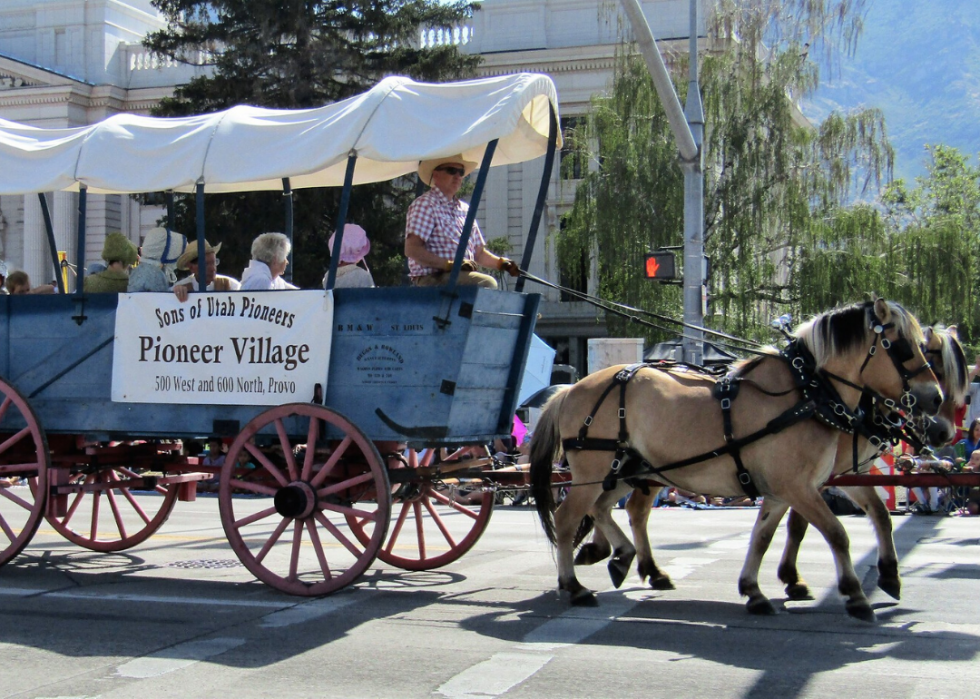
(688, 128)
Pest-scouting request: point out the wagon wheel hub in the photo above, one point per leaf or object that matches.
(296, 500)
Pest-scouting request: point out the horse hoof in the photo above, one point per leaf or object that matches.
(585, 598)
(861, 611)
(590, 554)
(760, 607)
(891, 587)
(661, 582)
(798, 592)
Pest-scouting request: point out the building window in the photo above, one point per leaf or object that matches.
(574, 276)
(573, 153)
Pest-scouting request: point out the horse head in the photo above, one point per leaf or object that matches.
(950, 367)
(846, 344)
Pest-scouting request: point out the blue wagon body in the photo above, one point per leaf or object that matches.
(407, 364)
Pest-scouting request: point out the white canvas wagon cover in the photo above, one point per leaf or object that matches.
(391, 128)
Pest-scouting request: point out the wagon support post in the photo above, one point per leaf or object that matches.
(464, 239)
(202, 266)
(341, 219)
(549, 161)
(80, 251)
(52, 245)
(287, 195)
(688, 128)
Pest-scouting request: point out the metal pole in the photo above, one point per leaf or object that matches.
(341, 220)
(694, 205)
(688, 128)
(549, 161)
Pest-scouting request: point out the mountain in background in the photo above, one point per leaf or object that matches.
(919, 62)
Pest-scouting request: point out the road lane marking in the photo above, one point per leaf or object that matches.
(176, 657)
(310, 610)
(493, 677)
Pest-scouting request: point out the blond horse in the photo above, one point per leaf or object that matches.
(949, 365)
(788, 466)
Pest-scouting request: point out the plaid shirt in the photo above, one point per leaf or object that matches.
(438, 221)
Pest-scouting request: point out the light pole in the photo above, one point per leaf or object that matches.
(688, 128)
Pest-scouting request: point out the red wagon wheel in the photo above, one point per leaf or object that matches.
(23, 454)
(97, 513)
(294, 536)
(432, 526)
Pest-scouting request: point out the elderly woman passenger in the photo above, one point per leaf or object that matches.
(270, 253)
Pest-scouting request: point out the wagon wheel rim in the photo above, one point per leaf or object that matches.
(297, 540)
(97, 519)
(428, 527)
(24, 446)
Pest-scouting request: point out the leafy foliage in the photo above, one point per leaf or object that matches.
(301, 54)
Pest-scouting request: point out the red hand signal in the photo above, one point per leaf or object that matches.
(652, 267)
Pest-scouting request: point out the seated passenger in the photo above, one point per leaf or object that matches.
(215, 281)
(270, 255)
(353, 249)
(120, 254)
(159, 254)
(18, 283)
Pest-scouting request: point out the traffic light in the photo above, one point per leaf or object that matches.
(660, 266)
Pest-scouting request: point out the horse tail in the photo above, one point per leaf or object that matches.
(545, 451)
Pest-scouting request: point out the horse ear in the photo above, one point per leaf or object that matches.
(883, 310)
(953, 332)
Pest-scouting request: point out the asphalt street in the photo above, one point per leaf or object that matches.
(178, 616)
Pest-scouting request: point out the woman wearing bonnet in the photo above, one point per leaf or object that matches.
(160, 249)
(353, 249)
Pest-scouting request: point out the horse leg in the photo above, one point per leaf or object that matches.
(789, 574)
(770, 514)
(867, 499)
(568, 517)
(638, 508)
(812, 507)
(623, 550)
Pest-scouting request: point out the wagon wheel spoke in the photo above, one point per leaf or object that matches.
(96, 500)
(116, 514)
(251, 487)
(245, 521)
(266, 464)
(4, 406)
(310, 448)
(361, 515)
(344, 485)
(273, 539)
(318, 549)
(5, 492)
(439, 523)
(397, 529)
(6, 527)
(287, 450)
(331, 462)
(15, 438)
(455, 504)
(419, 528)
(129, 473)
(135, 505)
(294, 552)
(337, 534)
(76, 501)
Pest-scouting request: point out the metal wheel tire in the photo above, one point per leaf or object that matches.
(430, 527)
(25, 448)
(292, 534)
(95, 519)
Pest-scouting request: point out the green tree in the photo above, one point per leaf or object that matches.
(771, 180)
(300, 54)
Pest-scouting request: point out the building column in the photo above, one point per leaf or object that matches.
(36, 260)
(65, 217)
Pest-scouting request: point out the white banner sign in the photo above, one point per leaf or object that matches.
(237, 348)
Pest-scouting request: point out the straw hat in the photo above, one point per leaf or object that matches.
(119, 247)
(355, 246)
(427, 166)
(190, 254)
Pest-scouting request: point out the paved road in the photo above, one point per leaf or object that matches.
(179, 617)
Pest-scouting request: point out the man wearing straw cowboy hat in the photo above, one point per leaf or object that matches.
(434, 227)
(215, 281)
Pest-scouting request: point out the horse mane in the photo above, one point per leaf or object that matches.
(955, 365)
(842, 330)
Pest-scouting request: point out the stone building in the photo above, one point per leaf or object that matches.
(69, 63)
